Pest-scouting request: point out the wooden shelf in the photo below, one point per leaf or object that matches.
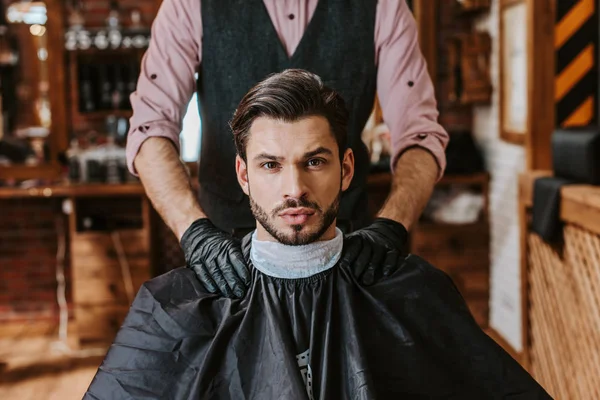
(99, 234)
(82, 121)
(75, 190)
(109, 51)
(49, 170)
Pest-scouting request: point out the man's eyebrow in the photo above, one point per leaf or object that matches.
(267, 156)
(318, 150)
(309, 154)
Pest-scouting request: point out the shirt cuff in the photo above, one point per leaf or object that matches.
(432, 142)
(138, 135)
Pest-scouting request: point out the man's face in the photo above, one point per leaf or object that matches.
(294, 179)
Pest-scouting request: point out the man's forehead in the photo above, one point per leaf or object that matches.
(290, 139)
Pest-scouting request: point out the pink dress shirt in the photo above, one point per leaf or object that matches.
(166, 83)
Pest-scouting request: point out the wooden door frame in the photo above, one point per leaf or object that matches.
(541, 70)
(540, 82)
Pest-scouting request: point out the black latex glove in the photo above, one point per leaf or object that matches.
(216, 258)
(372, 252)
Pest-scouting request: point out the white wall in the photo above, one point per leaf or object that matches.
(504, 161)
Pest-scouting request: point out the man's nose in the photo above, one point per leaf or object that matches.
(294, 183)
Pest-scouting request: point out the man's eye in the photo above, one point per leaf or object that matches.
(315, 162)
(270, 165)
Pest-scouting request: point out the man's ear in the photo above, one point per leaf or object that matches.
(241, 171)
(347, 168)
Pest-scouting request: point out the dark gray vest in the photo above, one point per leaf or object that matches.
(240, 47)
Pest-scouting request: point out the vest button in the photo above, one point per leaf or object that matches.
(291, 16)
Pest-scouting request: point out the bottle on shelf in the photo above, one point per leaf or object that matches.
(114, 35)
(136, 20)
(114, 16)
(9, 58)
(1, 112)
(87, 100)
(76, 19)
(118, 88)
(73, 161)
(105, 87)
(132, 78)
(112, 161)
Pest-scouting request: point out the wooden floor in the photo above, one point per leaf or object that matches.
(43, 368)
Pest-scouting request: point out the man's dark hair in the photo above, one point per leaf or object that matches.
(290, 96)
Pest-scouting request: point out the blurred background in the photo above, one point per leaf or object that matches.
(78, 236)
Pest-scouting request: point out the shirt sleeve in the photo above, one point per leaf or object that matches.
(404, 87)
(167, 79)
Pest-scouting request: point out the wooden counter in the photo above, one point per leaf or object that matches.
(561, 293)
(580, 204)
(108, 236)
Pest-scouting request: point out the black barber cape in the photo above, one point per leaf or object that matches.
(408, 336)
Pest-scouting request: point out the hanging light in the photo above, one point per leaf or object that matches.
(28, 12)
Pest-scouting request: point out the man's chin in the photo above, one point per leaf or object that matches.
(297, 235)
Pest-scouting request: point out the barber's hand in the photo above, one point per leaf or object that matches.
(216, 258)
(372, 252)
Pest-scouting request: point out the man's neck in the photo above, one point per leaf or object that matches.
(295, 262)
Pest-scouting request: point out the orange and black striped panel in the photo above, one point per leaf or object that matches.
(576, 46)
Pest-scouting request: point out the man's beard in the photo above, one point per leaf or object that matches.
(297, 238)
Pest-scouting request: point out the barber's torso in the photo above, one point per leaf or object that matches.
(240, 47)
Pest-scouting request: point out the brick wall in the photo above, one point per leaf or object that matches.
(29, 241)
(28, 247)
(505, 161)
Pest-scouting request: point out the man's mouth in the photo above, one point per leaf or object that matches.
(295, 216)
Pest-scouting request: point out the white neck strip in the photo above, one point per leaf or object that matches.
(294, 262)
